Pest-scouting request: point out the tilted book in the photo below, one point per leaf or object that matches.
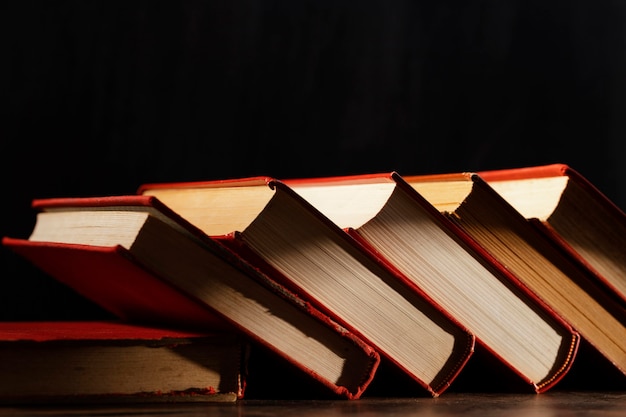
(138, 259)
(572, 211)
(398, 225)
(53, 362)
(274, 228)
(543, 267)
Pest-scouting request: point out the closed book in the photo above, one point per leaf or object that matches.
(135, 257)
(570, 209)
(274, 228)
(53, 362)
(569, 290)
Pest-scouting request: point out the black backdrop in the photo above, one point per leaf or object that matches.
(101, 96)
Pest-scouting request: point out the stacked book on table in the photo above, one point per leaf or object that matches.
(376, 284)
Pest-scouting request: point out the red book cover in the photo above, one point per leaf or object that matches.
(355, 222)
(104, 330)
(121, 282)
(301, 228)
(112, 278)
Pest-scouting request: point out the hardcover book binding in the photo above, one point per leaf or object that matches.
(272, 227)
(154, 267)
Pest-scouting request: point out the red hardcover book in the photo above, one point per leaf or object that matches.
(574, 213)
(47, 362)
(275, 229)
(570, 290)
(135, 257)
(425, 248)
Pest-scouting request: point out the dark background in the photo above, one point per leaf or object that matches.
(102, 96)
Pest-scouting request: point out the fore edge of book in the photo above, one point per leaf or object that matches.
(470, 337)
(560, 373)
(576, 258)
(264, 273)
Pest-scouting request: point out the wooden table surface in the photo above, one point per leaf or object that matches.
(551, 404)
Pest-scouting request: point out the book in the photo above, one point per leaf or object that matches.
(45, 362)
(398, 225)
(573, 212)
(275, 229)
(569, 290)
(138, 259)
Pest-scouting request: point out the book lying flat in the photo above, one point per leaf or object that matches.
(272, 227)
(403, 229)
(45, 362)
(571, 291)
(573, 212)
(135, 257)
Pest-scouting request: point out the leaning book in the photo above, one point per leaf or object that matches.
(138, 259)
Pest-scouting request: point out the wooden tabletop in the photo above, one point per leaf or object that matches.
(549, 404)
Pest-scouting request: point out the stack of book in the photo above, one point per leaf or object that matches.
(376, 284)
